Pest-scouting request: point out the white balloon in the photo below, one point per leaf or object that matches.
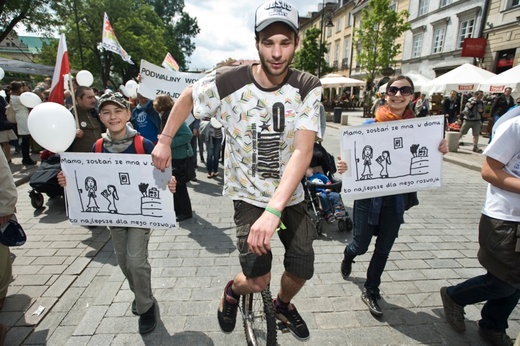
(131, 84)
(30, 99)
(84, 78)
(52, 126)
(131, 87)
(2, 73)
(124, 90)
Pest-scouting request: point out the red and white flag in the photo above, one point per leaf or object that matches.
(61, 69)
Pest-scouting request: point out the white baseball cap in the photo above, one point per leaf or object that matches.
(276, 11)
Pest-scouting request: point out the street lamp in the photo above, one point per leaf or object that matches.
(328, 25)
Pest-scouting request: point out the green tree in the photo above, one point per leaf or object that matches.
(180, 29)
(34, 14)
(307, 57)
(139, 29)
(380, 27)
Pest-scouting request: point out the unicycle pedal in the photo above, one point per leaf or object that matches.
(282, 327)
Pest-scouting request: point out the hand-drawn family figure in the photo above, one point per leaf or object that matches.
(91, 188)
(110, 193)
(367, 156)
(384, 161)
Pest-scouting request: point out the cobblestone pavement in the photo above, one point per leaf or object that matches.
(72, 273)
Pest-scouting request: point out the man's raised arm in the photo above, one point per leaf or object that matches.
(161, 154)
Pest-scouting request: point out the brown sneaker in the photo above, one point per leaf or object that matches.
(293, 321)
(495, 338)
(453, 312)
(227, 311)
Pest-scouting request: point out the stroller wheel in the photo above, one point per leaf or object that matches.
(350, 226)
(342, 225)
(36, 199)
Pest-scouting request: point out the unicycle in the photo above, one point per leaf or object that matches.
(259, 319)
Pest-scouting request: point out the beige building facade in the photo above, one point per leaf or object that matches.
(502, 31)
(434, 44)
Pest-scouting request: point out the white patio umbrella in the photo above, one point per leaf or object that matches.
(337, 80)
(497, 84)
(418, 81)
(465, 78)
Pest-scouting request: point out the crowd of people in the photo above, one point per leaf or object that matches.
(267, 153)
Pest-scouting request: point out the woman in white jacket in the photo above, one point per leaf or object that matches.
(22, 114)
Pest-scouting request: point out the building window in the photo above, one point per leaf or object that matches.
(359, 50)
(346, 54)
(505, 60)
(336, 51)
(423, 7)
(338, 24)
(417, 45)
(393, 7)
(439, 35)
(509, 4)
(465, 30)
(445, 2)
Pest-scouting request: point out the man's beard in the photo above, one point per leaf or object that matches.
(268, 71)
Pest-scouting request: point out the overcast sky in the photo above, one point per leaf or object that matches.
(226, 29)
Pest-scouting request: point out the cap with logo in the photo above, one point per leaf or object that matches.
(115, 98)
(276, 11)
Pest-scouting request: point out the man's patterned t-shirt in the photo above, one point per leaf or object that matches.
(259, 125)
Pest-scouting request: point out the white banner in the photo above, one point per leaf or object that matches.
(392, 157)
(122, 190)
(157, 80)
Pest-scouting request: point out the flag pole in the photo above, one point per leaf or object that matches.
(73, 94)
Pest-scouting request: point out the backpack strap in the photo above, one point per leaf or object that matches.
(98, 148)
(138, 144)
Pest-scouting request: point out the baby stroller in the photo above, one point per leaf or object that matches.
(45, 179)
(324, 162)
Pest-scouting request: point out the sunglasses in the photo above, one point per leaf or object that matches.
(405, 91)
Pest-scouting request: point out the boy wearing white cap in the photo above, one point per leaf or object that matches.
(270, 115)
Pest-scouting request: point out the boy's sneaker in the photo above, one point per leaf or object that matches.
(227, 311)
(338, 214)
(293, 321)
(147, 321)
(477, 150)
(495, 338)
(453, 312)
(330, 218)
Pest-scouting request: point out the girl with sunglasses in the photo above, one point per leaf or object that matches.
(380, 216)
